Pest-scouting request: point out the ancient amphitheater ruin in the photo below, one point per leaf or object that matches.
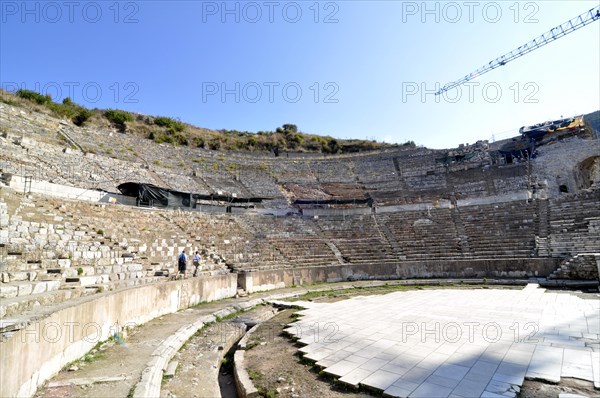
(90, 236)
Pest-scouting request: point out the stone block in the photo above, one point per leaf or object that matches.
(104, 262)
(87, 280)
(25, 289)
(39, 287)
(88, 254)
(64, 263)
(18, 276)
(52, 285)
(135, 267)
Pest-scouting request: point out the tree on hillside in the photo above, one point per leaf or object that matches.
(290, 127)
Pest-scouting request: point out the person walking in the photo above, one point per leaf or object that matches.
(181, 264)
(196, 262)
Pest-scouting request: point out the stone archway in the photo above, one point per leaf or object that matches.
(587, 173)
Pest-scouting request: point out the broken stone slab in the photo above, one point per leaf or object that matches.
(171, 368)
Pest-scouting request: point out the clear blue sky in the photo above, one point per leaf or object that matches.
(356, 63)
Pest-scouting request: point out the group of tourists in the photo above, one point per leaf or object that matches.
(182, 264)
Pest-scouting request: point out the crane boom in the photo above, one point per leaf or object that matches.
(555, 33)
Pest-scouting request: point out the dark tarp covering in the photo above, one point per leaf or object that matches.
(154, 194)
(179, 199)
(166, 197)
(227, 198)
(357, 201)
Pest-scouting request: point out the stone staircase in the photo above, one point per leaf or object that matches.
(583, 266)
(461, 232)
(357, 238)
(501, 230)
(422, 235)
(574, 224)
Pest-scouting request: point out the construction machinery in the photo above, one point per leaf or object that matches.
(553, 34)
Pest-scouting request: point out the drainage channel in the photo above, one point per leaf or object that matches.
(227, 385)
(203, 367)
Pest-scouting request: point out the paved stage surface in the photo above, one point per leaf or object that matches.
(454, 343)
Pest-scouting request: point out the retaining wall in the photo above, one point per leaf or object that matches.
(35, 354)
(255, 281)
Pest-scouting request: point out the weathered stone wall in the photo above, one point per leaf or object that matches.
(520, 268)
(558, 164)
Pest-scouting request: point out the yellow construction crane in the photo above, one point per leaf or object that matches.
(555, 33)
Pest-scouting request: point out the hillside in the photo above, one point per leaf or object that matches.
(162, 129)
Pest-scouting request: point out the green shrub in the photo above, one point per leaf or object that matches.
(180, 139)
(118, 117)
(198, 142)
(61, 110)
(68, 109)
(214, 144)
(170, 124)
(34, 97)
(161, 138)
(82, 116)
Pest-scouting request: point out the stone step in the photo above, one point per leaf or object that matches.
(18, 305)
(18, 289)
